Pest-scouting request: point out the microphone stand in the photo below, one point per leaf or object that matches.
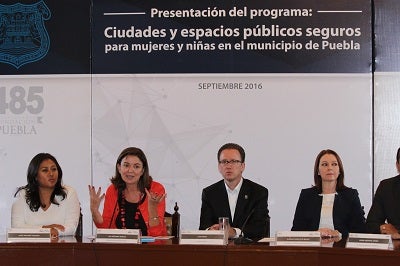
(241, 239)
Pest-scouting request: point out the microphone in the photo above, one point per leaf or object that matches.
(112, 217)
(241, 239)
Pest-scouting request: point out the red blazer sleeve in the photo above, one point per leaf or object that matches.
(111, 209)
(160, 229)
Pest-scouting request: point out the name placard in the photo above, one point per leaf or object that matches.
(298, 238)
(131, 236)
(368, 241)
(202, 237)
(28, 235)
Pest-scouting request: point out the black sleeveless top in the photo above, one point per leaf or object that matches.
(133, 218)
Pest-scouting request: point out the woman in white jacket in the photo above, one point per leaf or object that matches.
(44, 202)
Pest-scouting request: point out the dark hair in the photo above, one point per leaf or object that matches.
(32, 188)
(144, 181)
(317, 178)
(233, 146)
(398, 156)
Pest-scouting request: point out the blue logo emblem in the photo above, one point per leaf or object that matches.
(23, 37)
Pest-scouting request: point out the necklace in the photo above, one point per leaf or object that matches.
(122, 211)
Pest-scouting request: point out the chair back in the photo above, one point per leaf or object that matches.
(79, 228)
(168, 222)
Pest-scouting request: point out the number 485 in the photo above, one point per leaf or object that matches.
(21, 100)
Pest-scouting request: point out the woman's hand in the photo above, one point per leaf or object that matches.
(330, 240)
(154, 199)
(95, 199)
(389, 229)
(54, 229)
(329, 233)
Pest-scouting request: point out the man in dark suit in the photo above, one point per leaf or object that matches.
(235, 197)
(384, 215)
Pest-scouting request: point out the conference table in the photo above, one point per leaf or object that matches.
(72, 251)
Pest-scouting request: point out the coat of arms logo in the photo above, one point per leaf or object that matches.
(23, 36)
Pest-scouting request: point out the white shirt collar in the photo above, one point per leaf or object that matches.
(236, 189)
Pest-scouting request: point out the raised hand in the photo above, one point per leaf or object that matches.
(95, 199)
(154, 198)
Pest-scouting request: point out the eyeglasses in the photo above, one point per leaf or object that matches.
(233, 162)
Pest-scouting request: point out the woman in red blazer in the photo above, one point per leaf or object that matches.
(133, 200)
